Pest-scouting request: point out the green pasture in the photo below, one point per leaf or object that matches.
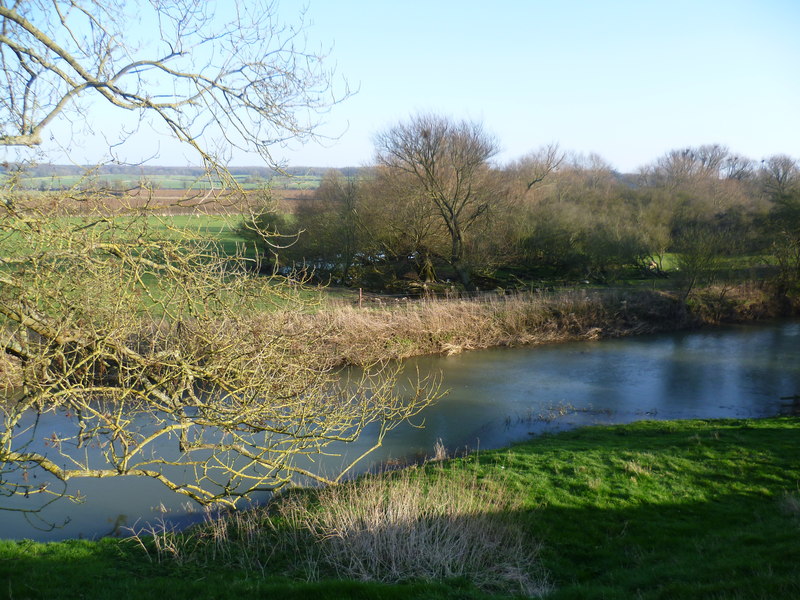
(217, 230)
(220, 229)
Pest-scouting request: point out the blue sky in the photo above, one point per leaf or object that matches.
(627, 80)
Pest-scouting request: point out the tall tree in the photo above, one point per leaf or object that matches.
(449, 161)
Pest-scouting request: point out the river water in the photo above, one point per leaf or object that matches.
(500, 396)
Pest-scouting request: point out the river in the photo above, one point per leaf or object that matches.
(500, 396)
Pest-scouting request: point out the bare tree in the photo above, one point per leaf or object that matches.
(779, 174)
(739, 168)
(532, 169)
(400, 221)
(131, 346)
(449, 161)
(683, 167)
(224, 69)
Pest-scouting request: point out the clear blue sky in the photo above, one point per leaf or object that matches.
(627, 80)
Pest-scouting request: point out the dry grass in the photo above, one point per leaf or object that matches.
(790, 504)
(338, 333)
(414, 524)
(365, 335)
(439, 451)
(635, 468)
(399, 527)
(401, 329)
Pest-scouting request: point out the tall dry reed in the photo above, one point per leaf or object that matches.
(360, 336)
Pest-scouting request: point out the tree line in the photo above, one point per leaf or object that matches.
(434, 207)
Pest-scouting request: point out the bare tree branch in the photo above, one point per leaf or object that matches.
(130, 346)
(221, 70)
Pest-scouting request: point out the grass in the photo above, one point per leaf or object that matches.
(220, 228)
(653, 510)
(669, 510)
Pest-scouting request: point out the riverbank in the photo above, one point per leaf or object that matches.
(684, 509)
(349, 335)
(337, 333)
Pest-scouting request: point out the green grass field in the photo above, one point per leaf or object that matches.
(222, 229)
(653, 510)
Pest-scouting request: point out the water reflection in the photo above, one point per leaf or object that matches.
(504, 395)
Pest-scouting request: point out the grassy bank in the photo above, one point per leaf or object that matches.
(692, 509)
(401, 329)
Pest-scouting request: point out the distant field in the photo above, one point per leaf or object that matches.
(170, 182)
(185, 202)
(166, 201)
(218, 227)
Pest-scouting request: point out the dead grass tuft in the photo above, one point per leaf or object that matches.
(790, 504)
(635, 468)
(400, 527)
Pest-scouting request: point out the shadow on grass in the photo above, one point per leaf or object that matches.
(111, 569)
(692, 509)
(727, 547)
